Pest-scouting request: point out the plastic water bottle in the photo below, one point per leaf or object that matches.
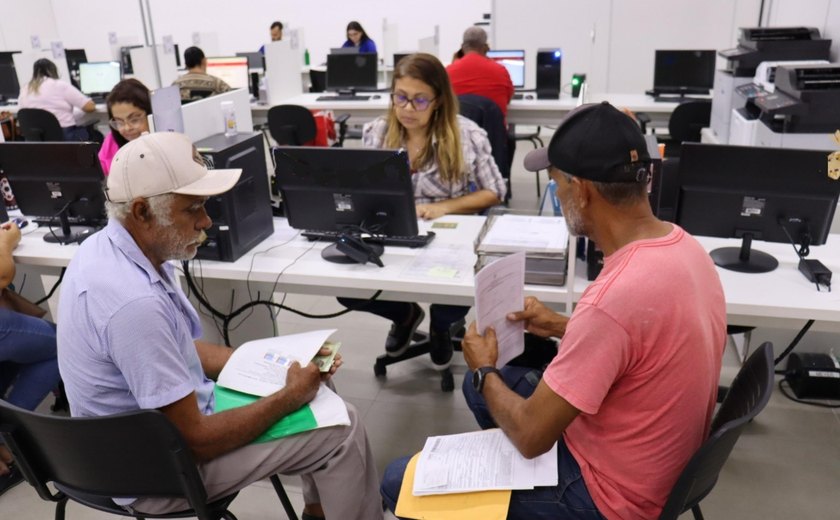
(229, 115)
(306, 57)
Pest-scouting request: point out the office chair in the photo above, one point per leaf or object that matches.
(685, 124)
(317, 80)
(294, 125)
(486, 114)
(39, 125)
(197, 94)
(747, 396)
(89, 460)
(532, 137)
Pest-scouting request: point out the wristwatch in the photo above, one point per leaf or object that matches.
(479, 375)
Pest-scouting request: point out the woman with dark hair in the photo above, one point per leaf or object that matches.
(357, 37)
(129, 106)
(46, 92)
(452, 171)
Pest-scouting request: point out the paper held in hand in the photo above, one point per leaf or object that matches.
(259, 367)
(499, 290)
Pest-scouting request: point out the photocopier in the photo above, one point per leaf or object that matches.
(756, 45)
(802, 110)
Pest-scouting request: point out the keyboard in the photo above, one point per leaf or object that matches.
(343, 97)
(678, 99)
(391, 240)
(74, 221)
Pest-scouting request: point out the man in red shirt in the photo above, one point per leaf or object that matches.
(475, 73)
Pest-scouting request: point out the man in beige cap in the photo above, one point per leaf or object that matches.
(129, 339)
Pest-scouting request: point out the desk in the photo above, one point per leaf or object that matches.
(781, 297)
(520, 111)
(98, 116)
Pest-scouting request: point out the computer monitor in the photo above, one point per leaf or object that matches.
(62, 180)
(755, 193)
(346, 189)
(233, 70)
(9, 86)
(514, 62)
(99, 77)
(255, 59)
(683, 71)
(75, 57)
(351, 71)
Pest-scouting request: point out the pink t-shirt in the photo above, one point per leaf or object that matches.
(56, 96)
(641, 360)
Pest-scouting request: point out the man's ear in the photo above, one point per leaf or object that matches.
(585, 191)
(140, 211)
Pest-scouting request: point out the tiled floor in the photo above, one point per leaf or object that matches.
(786, 465)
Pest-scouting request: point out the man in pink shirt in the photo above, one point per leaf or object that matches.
(630, 393)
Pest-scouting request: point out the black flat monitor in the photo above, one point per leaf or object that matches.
(683, 71)
(125, 58)
(61, 180)
(355, 190)
(99, 77)
(75, 57)
(400, 55)
(755, 193)
(514, 62)
(353, 72)
(9, 86)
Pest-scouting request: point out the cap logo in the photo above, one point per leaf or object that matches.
(634, 155)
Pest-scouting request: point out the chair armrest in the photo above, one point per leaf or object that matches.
(643, 119)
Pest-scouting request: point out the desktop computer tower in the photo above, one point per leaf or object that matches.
(548, 73)
(242, 216)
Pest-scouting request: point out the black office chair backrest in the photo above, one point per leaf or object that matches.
(317, 80)
(39, 125)
(487, 114)
(136, 454)
(747, 396)
(291, 125)
(688, 119)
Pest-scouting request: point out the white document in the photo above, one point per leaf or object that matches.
(499, 290)
(259, 367)
(479, 461)
(526, 233)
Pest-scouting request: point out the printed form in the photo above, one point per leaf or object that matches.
(480, 461)
(499, 290)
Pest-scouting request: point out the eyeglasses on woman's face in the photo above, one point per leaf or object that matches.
(132, 121)
(420, 103)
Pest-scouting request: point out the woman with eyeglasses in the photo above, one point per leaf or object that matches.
(357, 37)
(452, 171)
(129, 106)
(47, 92)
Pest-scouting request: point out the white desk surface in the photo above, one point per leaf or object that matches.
(520, 111)
(783, 294)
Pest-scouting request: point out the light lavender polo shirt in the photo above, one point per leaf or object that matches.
(126, 331)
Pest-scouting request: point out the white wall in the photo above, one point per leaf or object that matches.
(613, 41)
(227, 27)
(20, 20)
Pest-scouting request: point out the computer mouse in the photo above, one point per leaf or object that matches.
(375, 96)
(529, 96)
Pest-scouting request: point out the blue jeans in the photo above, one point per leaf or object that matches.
(568, 500)
(75, 133)
(28, 361)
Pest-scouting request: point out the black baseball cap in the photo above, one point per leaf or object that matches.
(596, 142)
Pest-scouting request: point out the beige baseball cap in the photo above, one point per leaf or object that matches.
(164, 162)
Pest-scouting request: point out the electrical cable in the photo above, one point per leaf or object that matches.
(54, 287)
(793, 343)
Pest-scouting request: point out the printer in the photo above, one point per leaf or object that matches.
(756, 45)
(744, 120)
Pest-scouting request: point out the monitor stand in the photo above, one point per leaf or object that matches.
(333, 253)
(69, 234)
(744, 259)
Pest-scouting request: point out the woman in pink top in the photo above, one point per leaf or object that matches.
(46, 92)
(129, 106)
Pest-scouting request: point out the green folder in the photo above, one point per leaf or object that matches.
(299, 421)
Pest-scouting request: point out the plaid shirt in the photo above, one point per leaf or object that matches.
(428, 186)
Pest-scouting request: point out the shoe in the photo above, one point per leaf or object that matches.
(10, 479)
(399, 337)
(440, 349)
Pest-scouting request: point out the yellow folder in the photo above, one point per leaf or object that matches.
(483, 505)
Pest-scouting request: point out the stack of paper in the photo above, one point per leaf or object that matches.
(480, 461)
(510, 233)
(258, 368)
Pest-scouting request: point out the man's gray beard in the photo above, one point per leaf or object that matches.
(176, 249)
